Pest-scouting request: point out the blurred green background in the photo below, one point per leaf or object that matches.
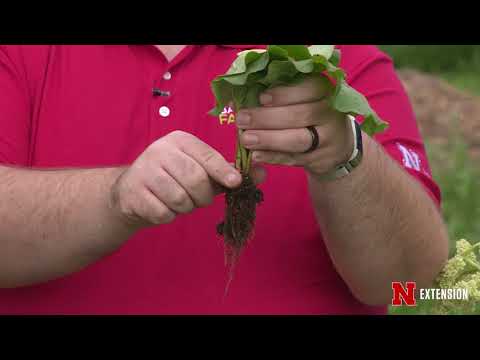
(459, 178)
(459, 64)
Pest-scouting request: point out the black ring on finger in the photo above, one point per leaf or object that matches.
(315, 139)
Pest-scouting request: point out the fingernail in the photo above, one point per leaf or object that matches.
(266, 99)
(243, 119)
(249, 139)
(232, 179)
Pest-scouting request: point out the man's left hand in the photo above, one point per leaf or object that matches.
(277, 133)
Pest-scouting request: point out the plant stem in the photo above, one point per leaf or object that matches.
(473, 264)
(238, 156)
(249, 161)
(243, 155)
(477, 245)
(239, 151)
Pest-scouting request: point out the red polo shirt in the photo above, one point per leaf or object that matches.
(91, 106)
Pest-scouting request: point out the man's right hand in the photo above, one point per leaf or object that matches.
(174, 175)
(68, 219)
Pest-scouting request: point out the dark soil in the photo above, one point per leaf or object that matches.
(240, 213)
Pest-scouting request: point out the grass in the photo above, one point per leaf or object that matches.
(460, 184)
(458, 178)
(467, 80)
(435, 58)
(458, 64)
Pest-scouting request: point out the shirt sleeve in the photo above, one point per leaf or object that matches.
(375, 77)
(14, 110)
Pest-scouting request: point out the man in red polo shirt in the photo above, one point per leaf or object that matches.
(110, 171)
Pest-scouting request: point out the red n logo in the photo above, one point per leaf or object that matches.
(400, 293)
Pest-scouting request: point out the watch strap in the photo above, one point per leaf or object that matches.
(355, 159)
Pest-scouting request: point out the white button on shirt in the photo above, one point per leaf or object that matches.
(167, 75)
(164, 111)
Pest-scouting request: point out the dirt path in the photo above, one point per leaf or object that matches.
(441, 107)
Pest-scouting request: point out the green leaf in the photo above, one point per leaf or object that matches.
(252, 97)
(279, 72)
(336, 57)
(244, 58)
(253, 66)
(223, 95)
(320, 59)
(254, 71)
(324, 50)
(277, 53)
(347, 100)
(259, 64)
(372, 124)
(214, 112)
(236, 79)
(335, 72)
(318, 67)
(304, 66)
(323, 64)
(239, 95)
(297, 52)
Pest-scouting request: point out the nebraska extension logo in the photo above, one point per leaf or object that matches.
(404, 295)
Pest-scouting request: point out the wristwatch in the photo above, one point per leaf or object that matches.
(343, 170)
